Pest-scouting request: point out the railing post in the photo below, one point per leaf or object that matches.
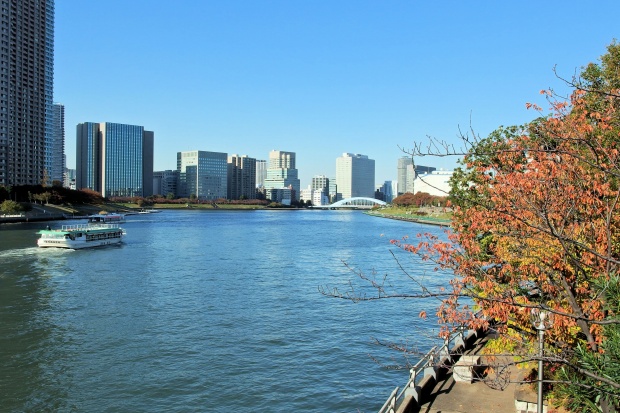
(430, 369)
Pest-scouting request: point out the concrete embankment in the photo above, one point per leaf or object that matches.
(413, 218)
(7, 219)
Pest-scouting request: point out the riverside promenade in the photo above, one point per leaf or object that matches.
(463, 382)
(450, 396)
(473, 396)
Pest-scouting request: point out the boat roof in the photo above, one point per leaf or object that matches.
(68, 229)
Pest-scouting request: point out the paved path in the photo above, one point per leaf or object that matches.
(449, 396)
(452, 397)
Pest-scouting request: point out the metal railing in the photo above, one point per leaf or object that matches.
(428, 361)
(84, 227)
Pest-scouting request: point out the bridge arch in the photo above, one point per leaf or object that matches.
(357, 203)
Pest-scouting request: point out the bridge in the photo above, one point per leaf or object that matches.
(354, 203)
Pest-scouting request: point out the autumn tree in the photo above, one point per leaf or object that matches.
(536, 225)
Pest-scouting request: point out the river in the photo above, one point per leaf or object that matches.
(208, 311)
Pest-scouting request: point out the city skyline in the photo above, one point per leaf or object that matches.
(317, 78)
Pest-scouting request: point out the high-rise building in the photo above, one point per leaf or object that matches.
(165, 182)
(407, 172)
(320, 183)
(26, 89)
(56, 149)
(261, 173)
(114, 159)
(69, 178)
(333, 190)
(386, 190)
(202, 174)
(241, 177)
(355, 176)
(281, 172)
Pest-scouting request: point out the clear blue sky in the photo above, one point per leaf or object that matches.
(316, 77)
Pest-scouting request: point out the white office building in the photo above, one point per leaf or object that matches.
(355, 176)
(436, 183)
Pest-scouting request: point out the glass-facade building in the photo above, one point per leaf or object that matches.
(114, 159)
(405, 174)
(281, 172)
(202, 174)
(26, 90)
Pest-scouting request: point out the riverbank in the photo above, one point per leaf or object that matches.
(49, 212)
(431, 216)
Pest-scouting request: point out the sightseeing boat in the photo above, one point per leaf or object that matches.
(81, 236)
(106, 218)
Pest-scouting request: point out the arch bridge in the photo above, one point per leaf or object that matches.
(355, 203)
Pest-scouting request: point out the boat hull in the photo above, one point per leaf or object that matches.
(77, 244)
(81, 236)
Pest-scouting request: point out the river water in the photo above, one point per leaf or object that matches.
(208, 311)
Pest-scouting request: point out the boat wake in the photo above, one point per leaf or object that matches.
(11, 255)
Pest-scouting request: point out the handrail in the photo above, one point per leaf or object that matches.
(428, 360)
(84, 227)
(390, 405)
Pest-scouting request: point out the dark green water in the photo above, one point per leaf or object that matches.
(205, 312)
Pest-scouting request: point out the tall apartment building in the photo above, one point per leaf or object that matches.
(281, 172)
(26, 89)
(405, 174)
(355, 176)
(202, 174)
(261, 173)
(320, 183)
(114, 159)
(241, 177)
(56, 149)
(165, 182)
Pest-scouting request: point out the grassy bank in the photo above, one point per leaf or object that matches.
(424, 215)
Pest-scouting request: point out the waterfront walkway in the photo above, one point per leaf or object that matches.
(489, 396)
(449, 396)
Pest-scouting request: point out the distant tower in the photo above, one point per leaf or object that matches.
(114, 159)
(26, 90)
(405, 174)
(386, 190)
(281, 172)
(355, 176)
(202, 174)
(261, 173)
(56, 148)
(321, 183)
(241, 177)
(165, 182)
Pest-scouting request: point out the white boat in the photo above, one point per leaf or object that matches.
(148, 211)
(81, 236)
(106, 218)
